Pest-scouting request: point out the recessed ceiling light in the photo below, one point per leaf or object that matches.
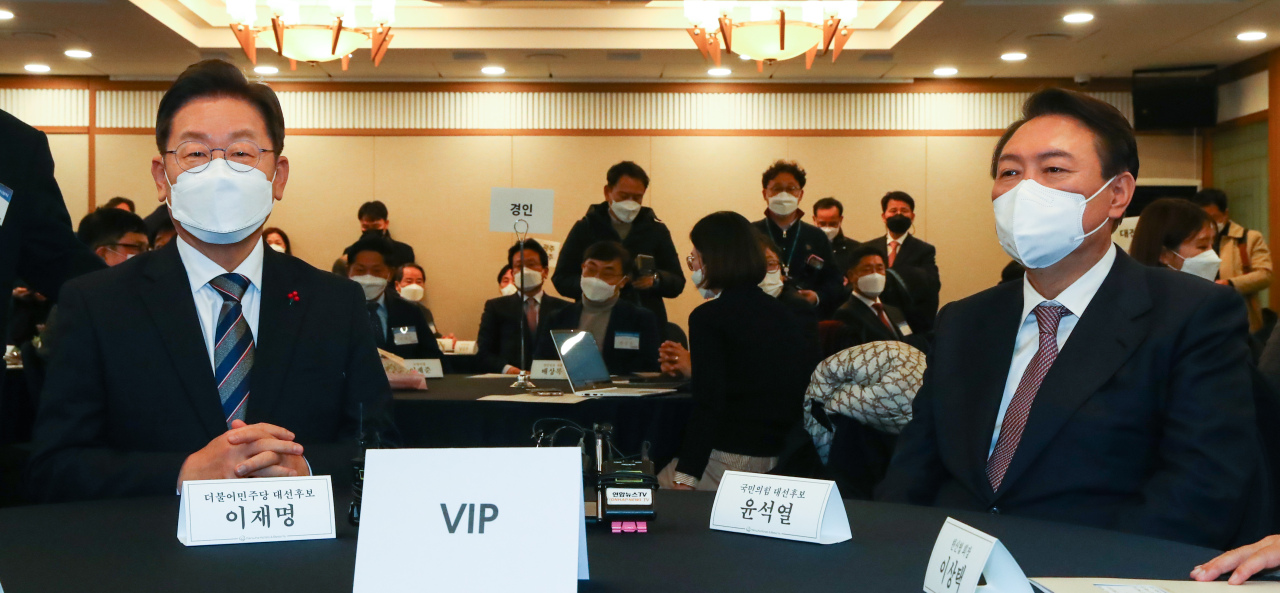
(78, 54)
(1251, 36)
(1013, 56)
(39, 68)
(5, 15)
(744, 57)
(1078, 17)
(719, 71)
(945, 71)
(493, 70)
(266, 70)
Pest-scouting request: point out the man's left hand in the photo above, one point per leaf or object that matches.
(809, 295)
(643, 282)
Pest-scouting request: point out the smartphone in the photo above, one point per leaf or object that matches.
(644, 265)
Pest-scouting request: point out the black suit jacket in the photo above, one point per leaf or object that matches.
(917, 265)
(130, 392)
(625, 318)
(1145, 423)
(37, 243)
(402, 314)
(498, 342)
(862, 325)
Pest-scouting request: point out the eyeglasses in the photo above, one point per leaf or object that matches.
(130, 248)
(194, 157)
(777, 189)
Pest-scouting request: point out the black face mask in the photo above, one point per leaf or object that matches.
(898, 224)
(373, 234)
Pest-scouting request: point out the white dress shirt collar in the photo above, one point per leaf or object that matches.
(1075, 298)
(865, 300)
(888, 237)
(201, 269)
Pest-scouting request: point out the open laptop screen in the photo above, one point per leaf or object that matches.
(581, 357)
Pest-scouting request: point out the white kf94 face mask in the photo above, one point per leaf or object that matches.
(1204, 264)
(784, 204)
(220, 205)
(1038, 225)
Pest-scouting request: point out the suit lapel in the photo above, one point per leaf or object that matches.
(279, 319)
(167, 297)
(1102, 341)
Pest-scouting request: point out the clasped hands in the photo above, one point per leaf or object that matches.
(246, 451)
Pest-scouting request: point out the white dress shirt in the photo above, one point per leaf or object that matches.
(200, 270)
(1076, 299)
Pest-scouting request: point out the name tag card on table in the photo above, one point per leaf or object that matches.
(255, 510)
(462, 520)
(429, 367)
(509, 206)
(548, 369)
(465, 347)
(780, 506)
(962, 554)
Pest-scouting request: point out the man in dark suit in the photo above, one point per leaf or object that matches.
(828, 216)
(864, 317)
(621, 218)
(627, 334)
(913, 268)
(498, 342)
(213, 357)
(805, 250)
(398, 326)
(1096, 391)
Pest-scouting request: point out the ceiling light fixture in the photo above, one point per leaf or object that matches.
(945, 71)
(744, 57)
(37, 68)
(719, 71)
(312, 41)
(770, 30)
(5, 15)
(1251, 36)
(78, 54)
(1078, 17)
(266, 70)
(1014, 56)
(493, 70)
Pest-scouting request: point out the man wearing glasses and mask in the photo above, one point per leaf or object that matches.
(213, 357)
(807, 260)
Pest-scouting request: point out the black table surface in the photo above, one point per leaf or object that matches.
(449, 414)
(130, 545)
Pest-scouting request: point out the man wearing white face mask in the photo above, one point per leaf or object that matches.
(507, 318)
(398, 326)
(1096, 391)
(628, 335)
(411, 283)
(806, 252)
(864, 317)
(622, 217)
(828, 215)
(213, 357)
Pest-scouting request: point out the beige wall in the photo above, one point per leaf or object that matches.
(437, 189)
(71, 169)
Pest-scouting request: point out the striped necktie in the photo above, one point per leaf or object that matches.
(233, 348)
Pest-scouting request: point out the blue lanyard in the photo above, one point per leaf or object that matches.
(794, 242)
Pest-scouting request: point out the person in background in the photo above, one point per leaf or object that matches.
(777, 286)
(864, 317)
(151, 385)
(498, 342)
(411, 284)
(806, 252)
(163, 233)
(277, 240)
(121, 203)
(398, 326)
(751, 377)
(375, 221)
(621, 217)
(114, 234)
(506, 281)
(1174, 233)
(913, 268)
(1246, 257)
(828, 215)
(1097, 391)
(627, 334)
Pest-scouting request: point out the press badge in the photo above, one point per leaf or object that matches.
(623, 341)
(404, 335)
(904, 328)
(6, 194)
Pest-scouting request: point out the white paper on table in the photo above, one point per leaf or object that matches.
(536, 399)
(1107, 585)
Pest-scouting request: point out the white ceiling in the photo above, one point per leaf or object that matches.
(628, 40)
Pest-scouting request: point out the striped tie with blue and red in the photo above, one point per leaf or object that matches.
(233, 347)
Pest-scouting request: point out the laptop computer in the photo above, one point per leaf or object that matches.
(583, 365)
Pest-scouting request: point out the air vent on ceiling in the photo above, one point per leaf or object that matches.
(32, 36)
(1049, 37)
(877, 56)
(545, 56)
(624, 56)
(468, 56)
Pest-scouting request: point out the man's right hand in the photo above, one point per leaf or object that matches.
(673, 359)
(256, 450)
(1242, 563)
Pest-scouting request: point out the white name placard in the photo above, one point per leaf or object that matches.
(962, 554)
(465, 347)
(780, 506)
(511, 205)
(548, 369)
(464, 520)
(429, 367)
(255, 510)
